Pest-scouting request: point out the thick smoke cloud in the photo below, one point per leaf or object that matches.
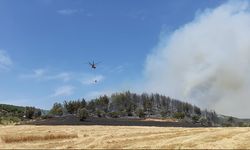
(207, 61)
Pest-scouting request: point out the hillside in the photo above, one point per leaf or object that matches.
(14, 114)
(123, 105)
(132, 105)
(127, 104)
(12, 110)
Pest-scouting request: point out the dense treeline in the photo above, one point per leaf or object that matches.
(134, 105)
(123, 105)
(11, 110)
(13, 114)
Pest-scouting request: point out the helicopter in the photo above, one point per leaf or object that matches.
(93, 65)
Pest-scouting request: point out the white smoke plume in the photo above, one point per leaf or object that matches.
(207, 61)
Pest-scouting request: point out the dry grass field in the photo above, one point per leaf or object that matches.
(30, 136)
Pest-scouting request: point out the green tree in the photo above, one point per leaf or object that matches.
(230, 120)
(195, 118)
(197, 110)
(179, 115)
(73, 105)
(203, 121)
(91, 106)
(147, 103)
(82, 114)
(37, 113)
(141, 113)
(57, 109)
(29, 112)
(102, 103)
(113, 114)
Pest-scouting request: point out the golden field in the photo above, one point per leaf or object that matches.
(30, 136)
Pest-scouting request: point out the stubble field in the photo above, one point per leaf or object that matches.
(31, 136)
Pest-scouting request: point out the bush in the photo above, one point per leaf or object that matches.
(122, 113)
(57, 109)
(46, 116)
(141, 113)
(226, 125)
(179, 115)
(195, 119)
(83, 114)
(9, 120)
(38, 113)
(164, 114)
(114, 114)
(203, 121)
(100, 113)
(30, 112)
(130, 114)
(230, 120)
(242, 124)
(73, 106)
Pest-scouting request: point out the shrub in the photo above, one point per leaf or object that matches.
(46, 116)
(141, 113)
(195, 119)
(73, 106)
(122, 113)
(179, 115)
(203, 121)
(114, 114)
(197, 110)
(130, 114)
(164, 113)
(30, 112)
(9, 120)
(100, 113)
(83, 114)
(38, 113)
(242, 124)
(57, 109)
(226, 125)
(230, 120)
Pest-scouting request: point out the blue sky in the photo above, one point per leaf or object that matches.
(45, 45)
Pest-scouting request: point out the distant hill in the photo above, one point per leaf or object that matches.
(12, 110)
(16, 110)
(126, 105)
(233, 121)
(12, 114)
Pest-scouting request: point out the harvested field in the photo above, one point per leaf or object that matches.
(126, 137)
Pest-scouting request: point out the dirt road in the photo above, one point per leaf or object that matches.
(129, 137)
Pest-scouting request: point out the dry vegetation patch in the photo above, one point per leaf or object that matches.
(29, 138)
